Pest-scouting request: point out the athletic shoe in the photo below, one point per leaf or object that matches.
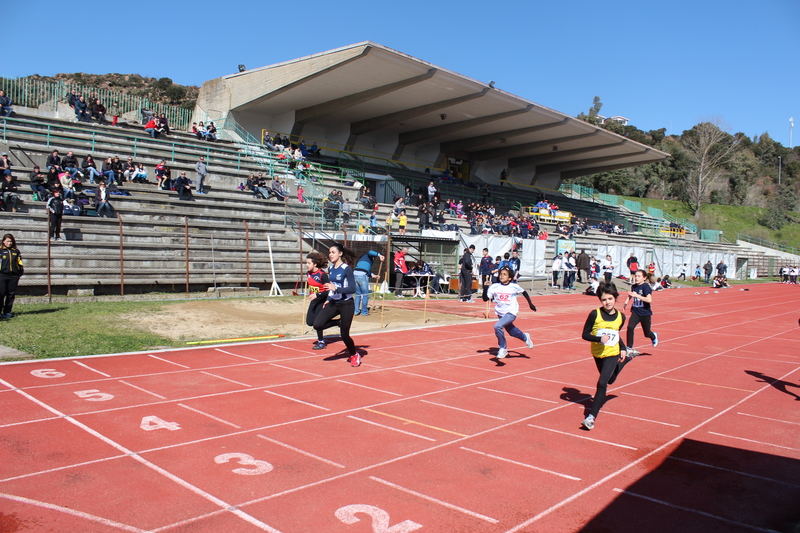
(655, 339)
(355, 360)
(501, 353)
(356, 314)
(588, 422)
(528, 341)
(399, 296)
(628, 358)
(319, 345)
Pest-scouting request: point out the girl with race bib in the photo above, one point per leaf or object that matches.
(641, 295)
(504, 293)
(602, 329)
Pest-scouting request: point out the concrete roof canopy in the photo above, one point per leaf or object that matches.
(371, 99)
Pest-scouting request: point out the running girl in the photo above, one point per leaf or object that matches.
(317, 278)
(642, 295)
(341, 286)
(504, 295)
(602, 329)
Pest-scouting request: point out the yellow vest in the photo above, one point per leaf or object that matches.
(600, 350)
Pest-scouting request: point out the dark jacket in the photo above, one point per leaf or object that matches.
(583, 262)
(70, 161)
(55, 205)
(53, 161)
(11, 262)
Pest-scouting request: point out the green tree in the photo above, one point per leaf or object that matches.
(176, 93)
(592, 118)
(162, 84)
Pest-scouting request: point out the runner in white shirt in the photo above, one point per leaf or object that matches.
(504, 294)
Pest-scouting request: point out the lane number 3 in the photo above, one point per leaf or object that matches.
(261, 467)
(380, 519)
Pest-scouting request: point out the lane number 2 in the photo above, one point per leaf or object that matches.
(47, 373)
(261, 467)
(380, 519)
(152, 423)
(94, 395)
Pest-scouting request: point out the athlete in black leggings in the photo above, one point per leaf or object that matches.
(642, 296)
(341, 287)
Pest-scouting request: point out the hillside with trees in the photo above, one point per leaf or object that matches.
(709, 166)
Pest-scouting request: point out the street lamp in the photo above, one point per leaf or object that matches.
(791, 126)
(779, 170)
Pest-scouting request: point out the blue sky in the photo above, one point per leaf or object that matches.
(661, 64)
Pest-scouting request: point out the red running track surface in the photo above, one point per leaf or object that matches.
(431, 433)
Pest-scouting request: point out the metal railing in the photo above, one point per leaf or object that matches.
(768, 244)
(46, 96)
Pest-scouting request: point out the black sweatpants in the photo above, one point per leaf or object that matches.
(465, 285)
(345, 310)
(609, 368)
(633, 321)
(313, 310)
(55, 226)
(8, 292)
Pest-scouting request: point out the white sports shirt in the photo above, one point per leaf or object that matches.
(505, 298)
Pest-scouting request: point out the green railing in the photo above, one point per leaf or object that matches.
(768, 244)
(46, 96)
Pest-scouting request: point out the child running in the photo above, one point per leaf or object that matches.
(642, 295)
(602, 329)
(341, 287)
(504, 295)
(317, 278)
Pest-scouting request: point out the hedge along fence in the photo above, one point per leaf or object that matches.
(46, 95)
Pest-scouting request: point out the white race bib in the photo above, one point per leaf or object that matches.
(613, 336)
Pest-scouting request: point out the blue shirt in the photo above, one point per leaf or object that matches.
(344, 281)
(638, 306)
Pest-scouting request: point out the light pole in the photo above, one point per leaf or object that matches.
(779, 170)
(791, 127)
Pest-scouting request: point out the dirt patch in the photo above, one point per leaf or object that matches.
(224, 319)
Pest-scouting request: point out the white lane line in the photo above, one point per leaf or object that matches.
(771, 419)
(429, 377)
(696, 511)
(390, 427)
(143, 390)
(30, 421)
(642, 419)
(521, 464)
(168, 361)
(480, 369)
(226, 379)
(518, 395)
(562, 382)
(236, 355)
(370, 388)
(585, 438)
(435, 500)
(668, 401)
(296, 400)
(187, 521)
(198, 411)
(90, 368)
(733, 471)
(755, 441)
(78, 514)
(62, 468)
(462, 410)
(303, 452)
(298, 370)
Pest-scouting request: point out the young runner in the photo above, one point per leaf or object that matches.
(317, 278)
(602, 329)
(642, 295)
(341, 287)
(402, 221)
(504, 294)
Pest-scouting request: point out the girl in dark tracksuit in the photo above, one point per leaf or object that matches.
(602, 329)
(642, 295)
(11, 270)
(317, 278)
(341, 287)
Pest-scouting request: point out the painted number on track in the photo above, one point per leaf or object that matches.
(380, 519)
(261, 467)
(152, 423)
(94, 395)
(47, 373)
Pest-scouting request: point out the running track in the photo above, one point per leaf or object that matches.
(429, 434)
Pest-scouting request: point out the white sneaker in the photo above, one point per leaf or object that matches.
(655, 339)
(528, 341)
(588, 422)
(501, 353)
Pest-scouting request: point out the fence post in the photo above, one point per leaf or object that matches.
(247, 254)
(186, 228)
(121, 260)
(49, 230)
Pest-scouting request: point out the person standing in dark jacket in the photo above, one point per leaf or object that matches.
(11, 270)
(465, 275)
(55, 208)
(583, 264)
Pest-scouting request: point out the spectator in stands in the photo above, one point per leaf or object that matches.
(53, 160)
(268, 144)
(90, 168)
(198, 131)
(10, 195)
(5, 165)
(202, 171)
(82, 110)
(161, 174)
(70, 164)
(5, 105)
(432, 190)
(66, 185)
(300, 197)
(184, 187)
(164, 123)
(55, 209)
(314, 150)
(114, 111)
(262, 187)
(52, 177)
(38, 180)
(128, 170)
(153, 128)
(211, 132)
(140, 176)
(108, 171)
(277, 191)
(73, 97)
(101, 201)
(99, 111)
(118, 168)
